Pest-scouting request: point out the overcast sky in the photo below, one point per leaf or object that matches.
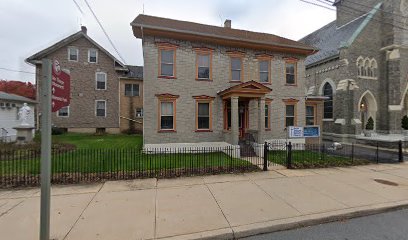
(28, 26)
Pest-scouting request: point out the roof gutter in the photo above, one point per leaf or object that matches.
(217, 36)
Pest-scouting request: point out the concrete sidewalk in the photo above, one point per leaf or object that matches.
(222, 207)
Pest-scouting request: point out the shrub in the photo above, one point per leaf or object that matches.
(404, 122)
(370, 124)
(57, 131)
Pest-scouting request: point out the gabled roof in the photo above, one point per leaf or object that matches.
(245, 89)
(144, 25)
(330, 38)
(14, 97)
(41, 54)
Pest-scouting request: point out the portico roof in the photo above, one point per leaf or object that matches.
(247, 89)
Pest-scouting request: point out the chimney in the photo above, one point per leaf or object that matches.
(84, 29)
(227, 23)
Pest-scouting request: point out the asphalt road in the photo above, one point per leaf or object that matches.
(390, 226)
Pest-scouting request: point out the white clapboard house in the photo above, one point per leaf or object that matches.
(10, 105)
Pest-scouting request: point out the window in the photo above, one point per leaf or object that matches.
(131, 90)
(167, 57)
(203, 113)
(267, 122)
(291, 73)
(63, 112)
(328, 103)
(92, 55)
(360, 66)
(310, 115)
(374, 68)
(236, 67)
(290, 115)
(167, 115)
(73, 54)
(100, 108)
(264, 71)
(100, 81)
(203, 66)
(139, 112)
(367, 69)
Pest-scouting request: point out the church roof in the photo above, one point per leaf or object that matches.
(330, 38)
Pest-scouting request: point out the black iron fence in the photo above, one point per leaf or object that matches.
(330, 154)
(22, 167)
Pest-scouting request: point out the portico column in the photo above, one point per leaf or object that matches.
(234, 121)
(261, 120)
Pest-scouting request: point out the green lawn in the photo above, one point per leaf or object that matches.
(110, 141)
(110, 153)
(313, 159)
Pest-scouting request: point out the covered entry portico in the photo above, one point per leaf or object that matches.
(240, 104)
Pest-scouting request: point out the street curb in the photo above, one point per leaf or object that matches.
(293, 223)
(315, 219)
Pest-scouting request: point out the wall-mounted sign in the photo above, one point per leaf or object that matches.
(295, 132)
(311, 131)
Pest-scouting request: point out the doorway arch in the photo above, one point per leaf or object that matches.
(367, 107)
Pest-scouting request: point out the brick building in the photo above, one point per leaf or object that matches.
(96, 92)
(362, 66)
(215, 85)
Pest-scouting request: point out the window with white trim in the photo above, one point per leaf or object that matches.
(63, 112)
(139, 112)
(73, 54)
(100, 108)
(92, 55)
(101, 81)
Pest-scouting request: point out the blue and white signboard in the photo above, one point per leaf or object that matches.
(311, 131)
(295, 132)
(304, 132)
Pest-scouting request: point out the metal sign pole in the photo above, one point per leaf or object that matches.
(45, 149)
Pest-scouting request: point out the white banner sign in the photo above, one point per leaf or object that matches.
(295, 132)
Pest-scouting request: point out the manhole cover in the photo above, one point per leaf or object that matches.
(382, 181)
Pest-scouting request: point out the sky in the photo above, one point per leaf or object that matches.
(29, 26)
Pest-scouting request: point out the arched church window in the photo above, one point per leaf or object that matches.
(367, 68)
(328, 103)
(360, 66)
(374, 68)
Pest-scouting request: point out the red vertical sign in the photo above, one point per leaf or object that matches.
(61, 87)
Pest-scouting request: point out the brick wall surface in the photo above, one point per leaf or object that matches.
(83, 88)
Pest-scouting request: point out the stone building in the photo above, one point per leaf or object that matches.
(362, 67)
(220, 85)
(96, 92)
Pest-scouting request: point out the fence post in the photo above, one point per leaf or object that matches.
(400, 155)
(376, 153)
(289, 156)
(265, 163)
